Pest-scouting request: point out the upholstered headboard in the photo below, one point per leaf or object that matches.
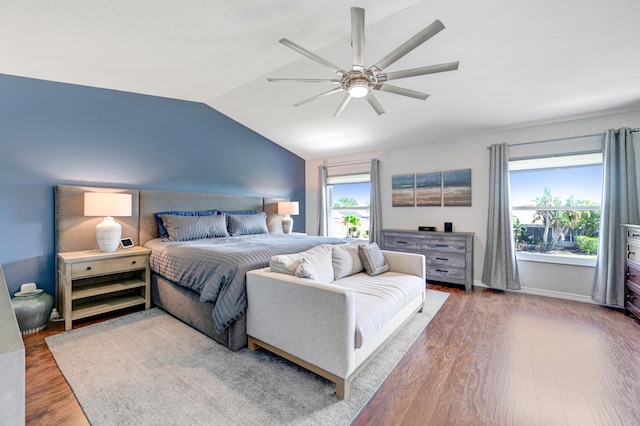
(152, 202)
(76, 232)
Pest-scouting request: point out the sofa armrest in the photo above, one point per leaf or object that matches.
(311, 320)
(406, 263)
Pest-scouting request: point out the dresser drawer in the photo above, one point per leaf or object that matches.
(445, 246)
(633, 272)
(402, 243)
(448, 259)
(98, 267)
(633, 251)
(444, 273)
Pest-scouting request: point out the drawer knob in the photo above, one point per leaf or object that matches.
(88, 268)
(630, 275)
(629, 253)
(133, 262)
(635, 234)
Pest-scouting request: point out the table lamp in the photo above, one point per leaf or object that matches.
(287, 208)
(107, 204)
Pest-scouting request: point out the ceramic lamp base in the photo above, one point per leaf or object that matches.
(287, 224)
(108, 234)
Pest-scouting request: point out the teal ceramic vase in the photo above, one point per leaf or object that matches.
(32, 312)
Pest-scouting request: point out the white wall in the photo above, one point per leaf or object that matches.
(565, 281)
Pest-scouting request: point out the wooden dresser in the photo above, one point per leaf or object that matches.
(632, 271)
(449, 255)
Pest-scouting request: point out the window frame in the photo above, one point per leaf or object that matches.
(547, 162)
(346, 179)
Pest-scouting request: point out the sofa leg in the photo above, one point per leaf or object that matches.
(342, 388)
(251, 343)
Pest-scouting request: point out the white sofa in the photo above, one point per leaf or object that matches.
(332, 327)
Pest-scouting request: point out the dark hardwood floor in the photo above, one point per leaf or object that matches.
(487, 358)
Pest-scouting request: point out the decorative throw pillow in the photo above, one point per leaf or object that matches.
(162, 231)
(346, 260)
(372, 259)
(184, 228)
(247, 224)
(319, 257)
(306, 270)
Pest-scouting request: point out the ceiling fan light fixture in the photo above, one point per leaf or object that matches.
(358, 88)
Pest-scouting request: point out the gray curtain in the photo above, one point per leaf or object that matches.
(323, 217)
(375, 204)
(619, 205)
(500, 267)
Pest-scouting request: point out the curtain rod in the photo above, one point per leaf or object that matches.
(561, 139)
(349, 163)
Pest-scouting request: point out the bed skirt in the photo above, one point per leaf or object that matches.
(186, 306)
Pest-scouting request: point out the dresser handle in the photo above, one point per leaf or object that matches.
(633, 234)
(630, 275)
(442, 245)
(442, 270)
(88, 268)
(442, 258)
(630, 253)
(401, 242)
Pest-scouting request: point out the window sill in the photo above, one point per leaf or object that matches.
(557, 258)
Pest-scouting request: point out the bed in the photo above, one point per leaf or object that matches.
(202, 281)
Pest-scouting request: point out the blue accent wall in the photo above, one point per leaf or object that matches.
(54, 133)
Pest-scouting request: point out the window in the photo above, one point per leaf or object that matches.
(349, 198)
(556, 204)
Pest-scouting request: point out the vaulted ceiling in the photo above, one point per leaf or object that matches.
(521, 62)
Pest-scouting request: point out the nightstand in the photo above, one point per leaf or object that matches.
(92, 282)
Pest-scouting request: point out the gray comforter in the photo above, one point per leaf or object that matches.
(215, 268)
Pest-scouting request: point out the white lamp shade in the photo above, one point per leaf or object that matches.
(288, 207)
(108, 204)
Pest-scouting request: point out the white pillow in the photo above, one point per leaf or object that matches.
(319, 257)
(346, 260)
(306, 270)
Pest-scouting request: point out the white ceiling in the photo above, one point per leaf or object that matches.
(521, 62)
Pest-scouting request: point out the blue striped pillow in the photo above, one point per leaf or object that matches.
(185, 228)
(247, 224)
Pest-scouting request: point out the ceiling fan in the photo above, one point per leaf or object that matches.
(360, 82)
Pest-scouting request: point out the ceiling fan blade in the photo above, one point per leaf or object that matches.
(357, 37)
(342, 105)
(305, 80)
(311, 55)
(313, 98)
(375, 104)
(434, 28)
(401, 91)
(431, 69)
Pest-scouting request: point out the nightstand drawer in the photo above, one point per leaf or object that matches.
(99, 267)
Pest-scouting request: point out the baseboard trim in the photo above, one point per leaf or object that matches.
(547, 293)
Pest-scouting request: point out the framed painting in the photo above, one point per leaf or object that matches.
(403, 191)
(429, 189)
(456, 187)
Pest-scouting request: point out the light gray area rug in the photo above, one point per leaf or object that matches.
(149, 368)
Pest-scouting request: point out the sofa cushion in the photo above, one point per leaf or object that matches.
(346, 260)
(372, 259)
(378, 299)
(306, 270)
(319, 257)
